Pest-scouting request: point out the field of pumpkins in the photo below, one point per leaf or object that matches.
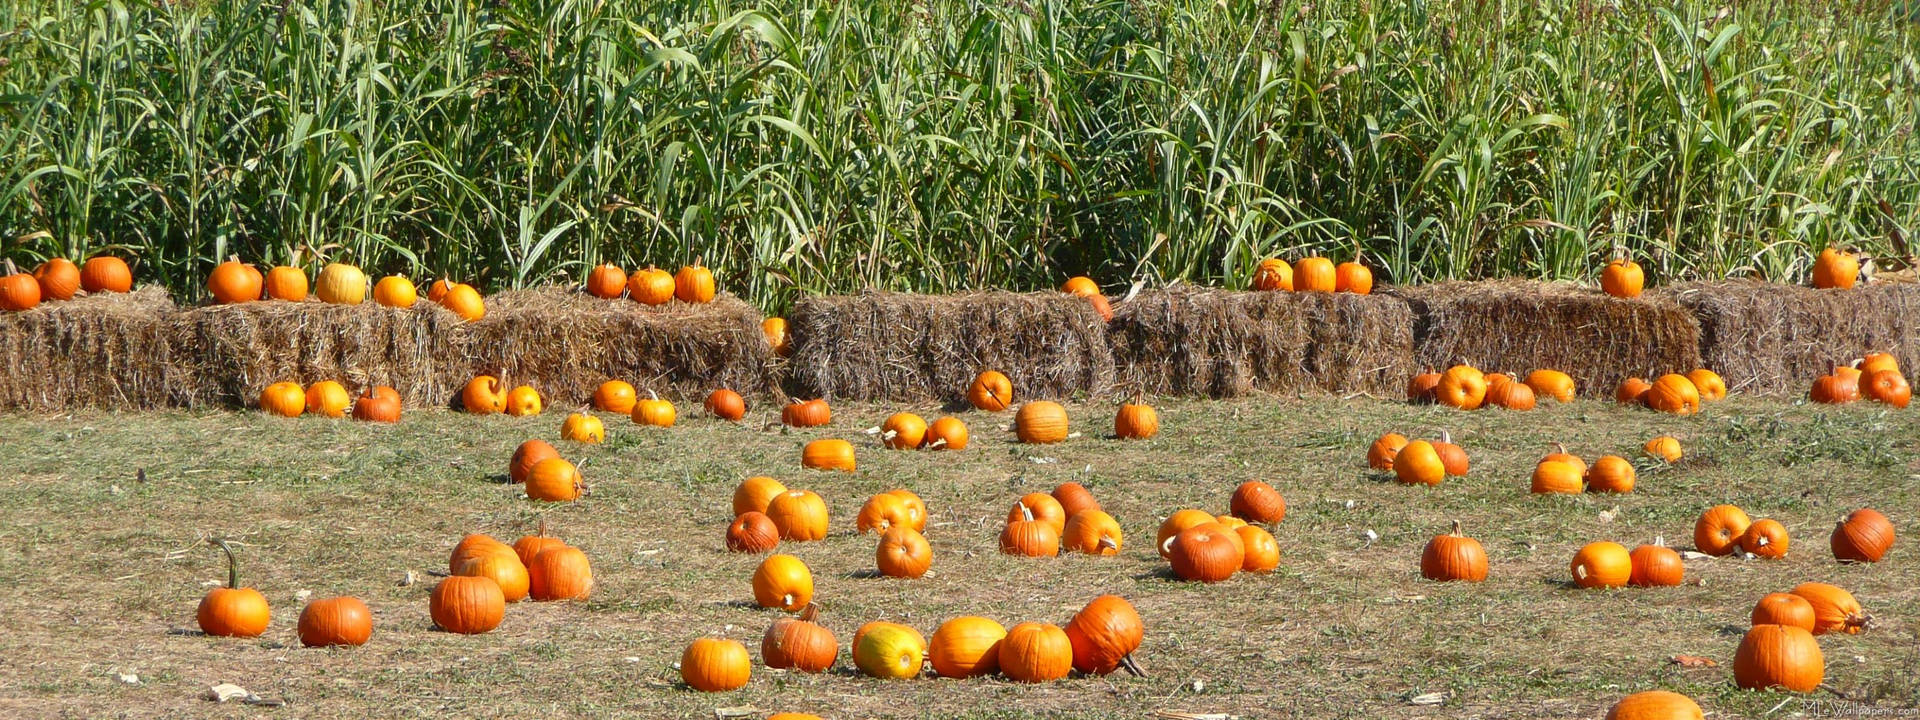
(1471, 544)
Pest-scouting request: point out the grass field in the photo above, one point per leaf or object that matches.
(105, 568)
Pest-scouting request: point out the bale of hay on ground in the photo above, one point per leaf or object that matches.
(904, 347)
(109, 350)
(565, 344)
(1520, 326)
(235, 350)
(1773, 339)
(1218, 343)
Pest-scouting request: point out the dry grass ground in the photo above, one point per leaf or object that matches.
(104, 569)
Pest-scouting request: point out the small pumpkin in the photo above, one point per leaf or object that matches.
(799, 643)
(991, 391)
(1273, 274)
(1419, 464)
(1381, 453)
(1104, 634)
(484, 395)
(437, 291)
(1453, 556)
(947, 433)
(504, 566)
(1093, 532)
(1073, 498)
(1665, 447)
(553, 480)
(1101, 307)
(1834, 269)
(461, 299)
(233, 611)
(380, 404)
(583, 428)
(1206, 553)
(1259, 552)
(1424, 388)
(335, 621)
(811, 413)
(715, 665)
(916, 508)
(1655, 705)
(782, 581)
(524, 401)
(1864, 536)
(1631, 390)
(1673, 393)
(329, 398)
(341, 284)
(284, 399)
(527, 455)
(888, 650)
(473, 546)
(1622, 278)
(755, 493)
(1610, 473)
(882, 512)
(1718, 530)
(1784, 609)
(105, 273)
(396, 292)
(1836, 389)
(775, 328)
(828, 454)
(1655, 566)
(58, 279)
(650, 286)
(1030, 536)
(903, 553)
(1555, 476)
(1039, 506)
(1602, 564)
(1035, 652)
(693, 284)
(1135, 421)
(1041, 422)
(1887, 386)
(1551, 383)
(1174, 524)
(903, 431)
(654, 411)
(1257, 502)
(726, 405)
(1834, 609)
(1315, 274)
(467, 604)
(232, 282)
(1877, 361)
(1510, 394)
(752, 532)
(560, 573)
(800, 515)
(1711, 386)
(606, 281)
(1352, 277)
(615, 396)
(1765, 538)
(1080, 286)
(1779, 656)
(965, 647)
(1452, 457)
(1461, 387)
(529, 547)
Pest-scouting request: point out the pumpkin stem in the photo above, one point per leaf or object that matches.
(1133, 668)
(1025, 511)
(233, 565)
(1446, 437)
(808, 613)
(1456, 528)
(11, 270)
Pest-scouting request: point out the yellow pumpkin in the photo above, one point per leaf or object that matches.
(342, 284)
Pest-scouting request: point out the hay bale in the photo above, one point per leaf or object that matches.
(904, 347)
(1520, 326)
(566, 343)
(235, 350)
(109, 351)
(1220, 343)
(1766, 338)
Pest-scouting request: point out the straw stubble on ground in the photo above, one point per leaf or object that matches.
(107, 568)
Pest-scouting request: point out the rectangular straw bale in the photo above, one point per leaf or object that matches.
(235, 350)
(1217, 343)
(108, 350)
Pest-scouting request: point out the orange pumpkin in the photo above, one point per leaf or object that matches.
(1461, 387)
(726, 405)
(811, 413)
(1315, 274)
(1610, 473)
(607, 281)
(1673, 393)
(715, 665)
(1041, 422)
(234, 282)
(560, 573)
(1779, 656)
(1035, 652)
(463, 300)
(1273, 274)
(1835, 269)
(966, 647)
(755, 493)
(466, 604)
(1623, 278)
(58, 279)
(1352, 277)
(1381, 453)
(232, 610)
(1834, 609)
(1765, 538)
(1784, 609)
(828, 454)
(991, 391)
(553, 480)
(1423, 388)
(527, 455)
(1453, 556)
(1257, 502)
(1419, 464)
(651, 286)
(286, 283)
(1887, 386)
(775, 328)
(903, 431)
(105, 273)
(1630, 391)
(1080, 286)
(1551, 383)
(329, 398)
(783, 581)
(903, 553)
(1206, 553)
(1665, 447)
(1655, 705)
(285, 399)
(1655, 566)
(1073, 498)
(1712, 387)
(1864, 536)
(752, 532)
(484, 395)
(335, 621)
(615, 396)
(693, 284)
(1602, 564)
(1092, 532)
(800, 515)
(1554, 476)
(947, 433)
(1718, 530)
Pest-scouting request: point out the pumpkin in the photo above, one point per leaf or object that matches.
(1887, 386)
(1834, 609)
(104, 273)
(1835, 269)
(1784, 609)
(1673, 393)
(1273, 274)
(396, 292)
(726, 405)
(1510, 394)
(1315, 274)
(812, 413)
(1453, 556)
(903, 553)
(1610, 473)
(232, 282)
(1664, 447)
(883, 512)
(1424, 388)
(947, 433)
(1419, 464)
(782, 581)
(651, 286)
(484, 395)
(1039, 506)
(966, 646)
(1630, 391)
(1257, 502)
(467, 604)
(1864, 536)
(991, 391)
(529, 454)
(472, 546)
(553, 480)
(1092, 532)
(888, 650)
(752, 532)
(438, 290)
(1035, 652)
(464, 301)
(1655, 705)
(1718, 530)
(1230, 522)
(560, 573)
(335, 621)
(800, 515)
(1655, 566)
(1452, 457)
(693, 284)
(916, 508)
(1462, 388)
(1101, 307)
(1073, 498)
(1352, 277)
(755, 493)
(775, 328)
(1381, 453)
(1602, 564)
(1259, 552)
(1779, 656)
(285, 399)
(1040, 422)
(329, 398)
(233, 611)
(715, 665)
(1622, 278)
(1551, 383)
(828, 454)
(1175, 523)
(57, 279)
(529, 547)
(1877, 361)
(1104, 634)
(799, 643)
(1135, 421)
(583, 428)
(1835, 389)
(1765, 538)
(1711, 386)
(504, 567)
(286, 283)
(1080, 286)
(1030, 536)
(1206, 553)
(523, 401)
(606, 281)
(614, 396)
(654, 411)
(381, 404)
(341, 284)
(904, 431)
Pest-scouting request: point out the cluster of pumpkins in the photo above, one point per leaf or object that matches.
(1039, 524)
(1565, 473)
(1464, 387)
(1312, 274)
(537, 466)
(329, 398)
(237, 611)
(1779, 650)
(486, 574)
(651, 285)
(234, 282)
(1673, 393)
(1418, 462)
(60, 279)
(1202, 547)
(1876, 377)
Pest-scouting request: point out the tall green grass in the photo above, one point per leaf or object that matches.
(816, 145)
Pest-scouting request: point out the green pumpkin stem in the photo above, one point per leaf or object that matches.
(233, 564)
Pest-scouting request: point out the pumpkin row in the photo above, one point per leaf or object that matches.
(329, 398)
